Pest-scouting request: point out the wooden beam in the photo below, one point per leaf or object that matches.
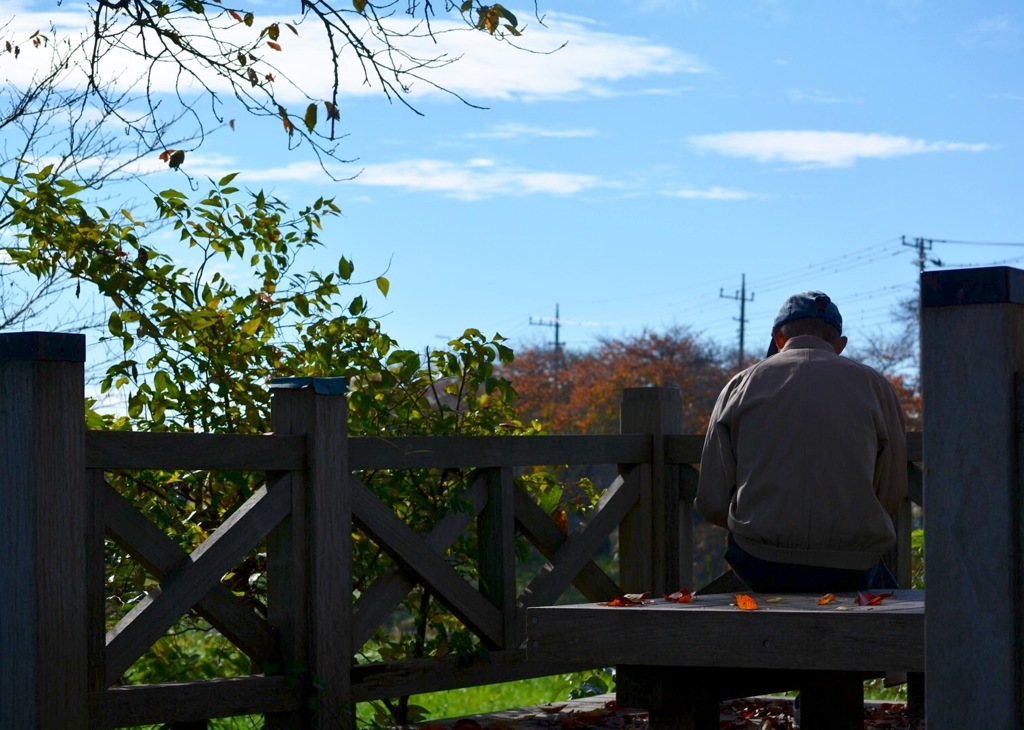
(496, 552)
(110, 450)
(541, 530)
(377, 602)
(580, 546)
(457, 452)
(161, 556)
(191, 701)
(184, 587)
(412, 676)
(408, 548)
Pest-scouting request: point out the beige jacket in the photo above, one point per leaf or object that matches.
(805, 458)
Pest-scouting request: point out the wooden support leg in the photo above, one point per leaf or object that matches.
(915, 695)
(673, 700)
(833, 703)
(685, 714)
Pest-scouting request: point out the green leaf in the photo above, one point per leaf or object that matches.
(359, 5)
(466, 6)
(310, 117)
(248, 19)
(226, 180)
(383, 285)
(504, 12)
(176, 159)
(115, 325)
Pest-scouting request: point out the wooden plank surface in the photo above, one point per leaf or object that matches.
(136, 450)
(792, 632)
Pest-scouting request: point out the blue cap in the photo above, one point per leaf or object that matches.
(810, 304)
(806, 304)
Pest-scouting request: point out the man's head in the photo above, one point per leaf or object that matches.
(808, 313)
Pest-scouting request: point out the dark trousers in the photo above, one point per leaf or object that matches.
(765, 576)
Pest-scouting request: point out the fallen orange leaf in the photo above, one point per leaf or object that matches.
(621, 601)
(683, 595)
(746, 603)
(871, 599)
(826, 599)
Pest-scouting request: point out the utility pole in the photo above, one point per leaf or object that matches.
(922, 245)
(741, 297)
(556, 323)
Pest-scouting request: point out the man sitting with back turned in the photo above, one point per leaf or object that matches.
(805, 459)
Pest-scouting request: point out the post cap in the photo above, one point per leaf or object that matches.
(987, 285)
(51, 346)
(320, 386)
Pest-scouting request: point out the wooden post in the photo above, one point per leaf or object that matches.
(649, 537)
(497, 550)
(972, 357)
(310, 556)
(44, 508)
(650, 546)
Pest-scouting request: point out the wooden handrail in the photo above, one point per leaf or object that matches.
(305, 516)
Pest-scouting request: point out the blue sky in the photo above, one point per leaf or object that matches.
(669, 149)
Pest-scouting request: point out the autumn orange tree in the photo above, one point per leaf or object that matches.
(580, 391)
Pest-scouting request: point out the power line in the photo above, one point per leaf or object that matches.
(973, 243)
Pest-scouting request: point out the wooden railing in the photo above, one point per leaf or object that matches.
(59, 504)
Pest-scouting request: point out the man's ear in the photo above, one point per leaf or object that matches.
(780, 339)
(839, 345)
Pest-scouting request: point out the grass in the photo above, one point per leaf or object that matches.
(489, 698)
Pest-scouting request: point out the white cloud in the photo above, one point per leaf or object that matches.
(820, 97)
(473, 179)
(1000, 32)
(821, 149)
(715, 193)
(511, 131)
(591, 63)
